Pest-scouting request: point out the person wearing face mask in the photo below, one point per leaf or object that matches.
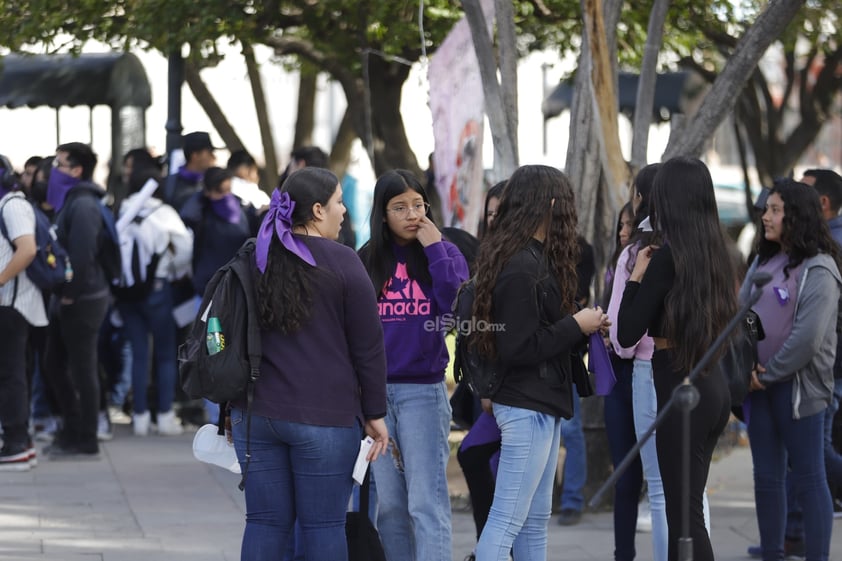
(78, 309)
(220, 225)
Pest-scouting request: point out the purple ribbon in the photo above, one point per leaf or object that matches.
(279, 220)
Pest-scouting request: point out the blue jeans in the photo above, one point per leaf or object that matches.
(645, 411)
(619, 428)
(297, 471)
(833, 465)
(832, 458)
(775, 436)
(523, 495)
(414, 503)
(152, 315)
(575, 459)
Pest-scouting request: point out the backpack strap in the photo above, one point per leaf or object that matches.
(5, 232)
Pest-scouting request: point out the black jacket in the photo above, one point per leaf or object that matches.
(215, 241)
(79, 228)
(527, 303)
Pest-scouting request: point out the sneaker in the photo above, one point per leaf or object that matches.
(44, 429)
(169, 424)
(103, 427)
(140, 423)
(58, 452)
(33, 454)
(792, 548)
(644, 518)
(14, 458)
(569, 517)
(118, 416)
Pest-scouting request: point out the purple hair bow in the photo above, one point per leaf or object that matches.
(279, 220)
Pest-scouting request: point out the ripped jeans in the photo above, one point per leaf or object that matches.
(414, 504)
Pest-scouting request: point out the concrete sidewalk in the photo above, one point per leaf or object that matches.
(147, 499)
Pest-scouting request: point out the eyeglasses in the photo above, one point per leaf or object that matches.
(402, 211)
(58, 164)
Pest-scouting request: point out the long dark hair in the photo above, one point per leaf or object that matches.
(377, 254)
(525, 207)
(284, 290)
(642, 184)
(805, 232)
(618, 249)
(684, 216)
(496, 191)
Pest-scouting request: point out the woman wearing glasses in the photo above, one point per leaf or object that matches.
(415, 274)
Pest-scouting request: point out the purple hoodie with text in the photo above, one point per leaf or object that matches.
(411, 313)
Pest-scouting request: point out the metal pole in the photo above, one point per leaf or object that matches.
(175, 80)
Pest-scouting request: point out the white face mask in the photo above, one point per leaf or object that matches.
(645, 225)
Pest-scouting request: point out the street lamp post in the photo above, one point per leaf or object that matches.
(175, 70)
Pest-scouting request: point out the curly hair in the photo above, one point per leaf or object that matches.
(703, 297)
(805, 232)
(284, 290)
(526, 207)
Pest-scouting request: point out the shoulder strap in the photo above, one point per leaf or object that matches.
(5, 233)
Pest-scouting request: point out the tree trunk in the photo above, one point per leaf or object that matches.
(646, 83)
(596, 222)
(390, 145)
(270, 171)
(305, 118)
(340, 152)
(605, 97)
(721, 98)
(507, 50)
(505, 144)
(206, 100)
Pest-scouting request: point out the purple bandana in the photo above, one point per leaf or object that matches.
(190, 176)
(279, 219)
(58, 186)
(227, 208)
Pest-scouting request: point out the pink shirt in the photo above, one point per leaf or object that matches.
(646, 346)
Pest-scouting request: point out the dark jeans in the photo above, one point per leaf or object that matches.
(152, 316)
(73, 368)
(476, 466)
(707, 421)
(14, 394)
(619, 428)
(775, 437)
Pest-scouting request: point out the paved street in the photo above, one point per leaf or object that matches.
(147, 499)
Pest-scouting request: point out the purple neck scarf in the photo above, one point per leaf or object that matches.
(278, 219)
(191, 176)
(58, 186)
(227, 208)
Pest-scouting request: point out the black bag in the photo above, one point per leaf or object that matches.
(229, 296)
(741, 356)
(363, 539)
(482, 375)
(464, 406)
(580, 375)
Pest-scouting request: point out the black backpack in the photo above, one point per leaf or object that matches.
(229, 296)
(483, 375)
(231, 373)
(51, 266)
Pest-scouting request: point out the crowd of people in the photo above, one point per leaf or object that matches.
(349, 350)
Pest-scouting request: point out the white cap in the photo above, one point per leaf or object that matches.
(213, 448)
